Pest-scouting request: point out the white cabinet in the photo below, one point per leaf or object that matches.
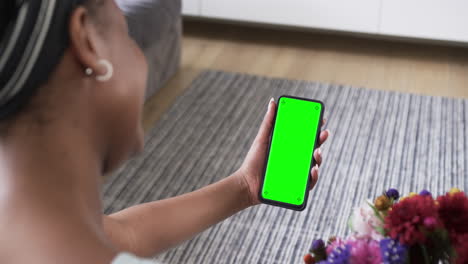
(423, 19)
(356, 15)
(191, 7)
(431, 19)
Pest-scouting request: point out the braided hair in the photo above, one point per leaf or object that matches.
(33, 38)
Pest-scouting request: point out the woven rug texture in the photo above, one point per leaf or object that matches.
(379, 139)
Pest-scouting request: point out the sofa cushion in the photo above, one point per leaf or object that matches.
(156, 25)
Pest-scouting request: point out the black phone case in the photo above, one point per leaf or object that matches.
(312, 163)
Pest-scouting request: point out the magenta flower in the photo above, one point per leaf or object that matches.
(365, 251)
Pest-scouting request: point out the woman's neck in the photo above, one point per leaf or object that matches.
(55, 168)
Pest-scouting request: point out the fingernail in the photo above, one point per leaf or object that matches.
(269, 104)
(319, 151)
(314, 168)
(329, 133)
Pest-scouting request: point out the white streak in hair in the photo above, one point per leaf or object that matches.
(14, 36)
(32, 52)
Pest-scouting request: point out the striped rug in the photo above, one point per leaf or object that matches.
(379, 140)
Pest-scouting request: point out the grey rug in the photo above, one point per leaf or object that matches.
(379, 140)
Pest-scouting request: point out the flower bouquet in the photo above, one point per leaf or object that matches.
(418, 228)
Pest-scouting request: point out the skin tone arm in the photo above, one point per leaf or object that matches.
(151, 228)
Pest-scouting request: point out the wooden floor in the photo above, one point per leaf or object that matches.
(376, 64)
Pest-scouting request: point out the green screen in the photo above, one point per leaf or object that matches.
(292, 146)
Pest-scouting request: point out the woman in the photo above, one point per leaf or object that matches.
(72, 85)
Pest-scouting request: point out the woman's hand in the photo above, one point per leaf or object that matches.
(251, 170)
(181, 217)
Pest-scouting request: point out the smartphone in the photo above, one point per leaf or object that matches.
(295, 136)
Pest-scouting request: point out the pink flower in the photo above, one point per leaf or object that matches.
(364, 222)
(430, 223)
(365, 251)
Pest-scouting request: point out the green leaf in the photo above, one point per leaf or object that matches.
(425, 255)
(350, 223)
(441, 249)
(376, 212)
(381, 230)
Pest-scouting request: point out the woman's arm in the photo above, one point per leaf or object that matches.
(150, 228)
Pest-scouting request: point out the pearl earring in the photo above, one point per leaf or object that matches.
(89, 71)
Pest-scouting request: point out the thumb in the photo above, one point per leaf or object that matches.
(267, 124)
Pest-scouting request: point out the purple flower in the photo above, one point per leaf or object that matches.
(317, 244)
(425, 193)
(318, 250)
(393, 193)
(392, 251)
(340, 255)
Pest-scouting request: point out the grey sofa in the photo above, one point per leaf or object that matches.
(156, 25)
